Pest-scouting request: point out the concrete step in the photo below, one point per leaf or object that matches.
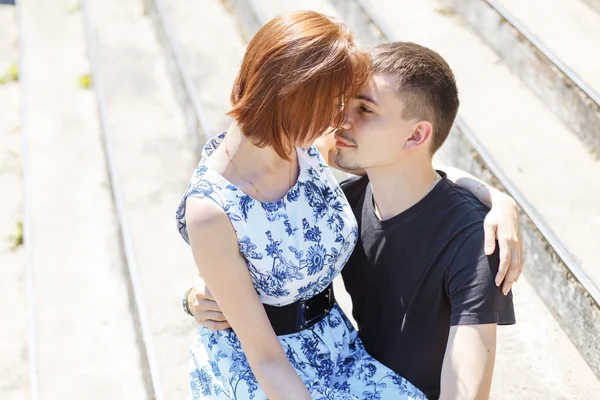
(593, 4)
(561, 373)
(152, 158)
(206, 47)
(558, 65)
(14, 373)
(86, 345)
(567, 28)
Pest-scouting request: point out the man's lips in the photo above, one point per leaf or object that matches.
(341, 142)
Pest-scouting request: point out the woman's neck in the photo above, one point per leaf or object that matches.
(249, 157)
(258, 171)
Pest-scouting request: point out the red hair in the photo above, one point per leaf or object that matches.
(297, 72)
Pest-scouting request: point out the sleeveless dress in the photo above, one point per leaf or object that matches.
(293, 249)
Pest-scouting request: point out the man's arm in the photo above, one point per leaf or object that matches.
(204, 308)
(487, 194)
(469, 362)
(477, 306)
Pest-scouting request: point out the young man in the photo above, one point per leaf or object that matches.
(423, 289)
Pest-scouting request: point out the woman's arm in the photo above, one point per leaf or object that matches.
(484, 192)
(217, 256)
(501, 223)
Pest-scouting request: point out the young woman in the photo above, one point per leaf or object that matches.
(270, 227)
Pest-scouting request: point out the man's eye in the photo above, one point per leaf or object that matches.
(366, 110)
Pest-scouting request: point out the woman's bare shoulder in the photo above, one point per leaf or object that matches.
(205, 217)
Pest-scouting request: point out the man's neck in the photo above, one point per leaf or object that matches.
(398, 187)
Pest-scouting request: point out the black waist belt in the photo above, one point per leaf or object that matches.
(302, 314)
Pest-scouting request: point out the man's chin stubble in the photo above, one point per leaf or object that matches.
(345, 163)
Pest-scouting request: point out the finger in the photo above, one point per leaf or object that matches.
(215, 326)
(211, 316)
(504, 262)
(489, 230)
(205, 305)
(514, 270)
(200, 295)
(509, 281)
(507, 285)
(522, 258)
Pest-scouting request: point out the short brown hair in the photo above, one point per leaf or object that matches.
(425, 83)
(296, 74)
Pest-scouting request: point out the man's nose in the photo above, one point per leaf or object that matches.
(347, 123)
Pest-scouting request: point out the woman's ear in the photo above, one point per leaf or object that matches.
(422, 132)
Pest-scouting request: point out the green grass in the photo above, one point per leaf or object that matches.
(75, 8)
(11, 74)
(445, 11)
(9, 162)
(85, 82)
(17, 238)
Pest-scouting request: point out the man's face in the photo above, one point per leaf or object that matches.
(374, 133)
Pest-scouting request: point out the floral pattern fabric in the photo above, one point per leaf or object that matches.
(293, 249)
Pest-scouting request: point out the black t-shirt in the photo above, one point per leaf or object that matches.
(416, 274)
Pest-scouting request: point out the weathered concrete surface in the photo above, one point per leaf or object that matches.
(559, 372)
(535, 359)
(269, 9)
(14, 374)
(567, 28)
(212, 64)
(364, 34)
(154, 159)
(87, 346)
(594, 4)
(248, 15)
(578, 109)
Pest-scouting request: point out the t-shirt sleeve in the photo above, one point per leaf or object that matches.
(474, 297)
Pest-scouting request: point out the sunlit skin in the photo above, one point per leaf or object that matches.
(374, 123)
(376, 138)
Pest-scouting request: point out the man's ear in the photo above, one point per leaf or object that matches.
(421, 134)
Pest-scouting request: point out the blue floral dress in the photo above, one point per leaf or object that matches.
(293, 248)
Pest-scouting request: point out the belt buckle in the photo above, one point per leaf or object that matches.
(301, 321)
